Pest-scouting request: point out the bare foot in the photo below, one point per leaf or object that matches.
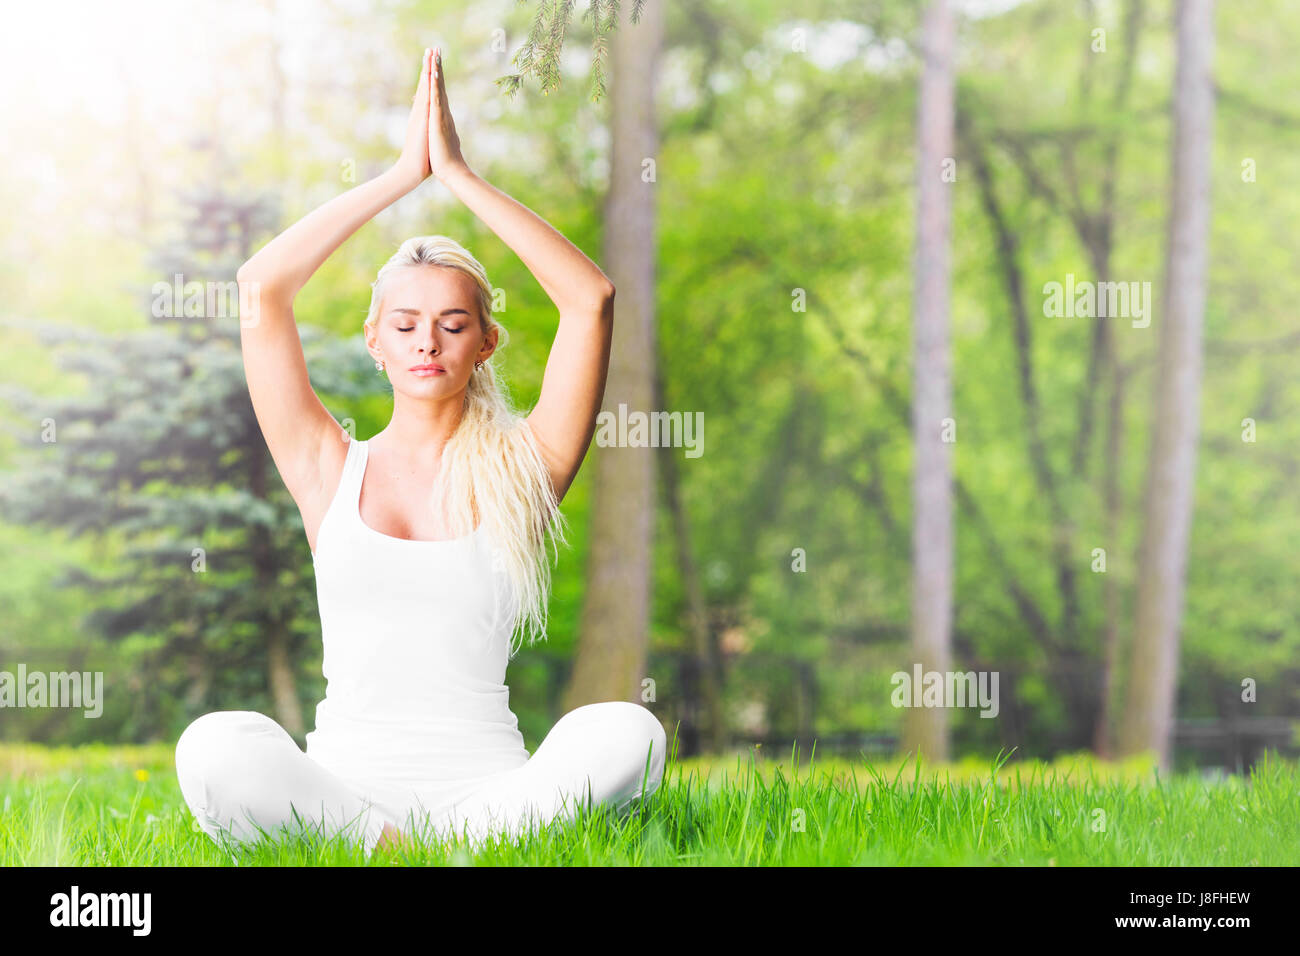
(390, 838)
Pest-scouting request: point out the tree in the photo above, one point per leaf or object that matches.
(614, 630)
(164, 449)
(1171, 469)
(926, 728)
(1048, 166)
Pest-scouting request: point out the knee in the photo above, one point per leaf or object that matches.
(646, 746)
(653, 739)
(648, 728)
(640, 734)
(612, 733)
(212, 744)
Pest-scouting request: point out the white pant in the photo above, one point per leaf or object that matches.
(242, 774)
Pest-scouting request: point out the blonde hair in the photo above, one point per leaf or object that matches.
(491, 463)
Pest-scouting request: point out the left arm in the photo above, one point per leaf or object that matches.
(564, 419)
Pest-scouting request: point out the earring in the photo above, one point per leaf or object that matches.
(379, 365)
(477, 366)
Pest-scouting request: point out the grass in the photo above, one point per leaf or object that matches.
(121, 806)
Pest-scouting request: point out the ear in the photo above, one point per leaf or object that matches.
(371, 333)
(489, 344)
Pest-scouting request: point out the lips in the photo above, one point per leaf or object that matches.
(428, 370)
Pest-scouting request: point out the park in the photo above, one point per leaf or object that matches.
(852, 634)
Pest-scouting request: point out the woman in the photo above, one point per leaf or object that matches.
(428, 540)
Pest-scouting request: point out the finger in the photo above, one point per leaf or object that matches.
(435, 90)
(425, 83)
(422, 88)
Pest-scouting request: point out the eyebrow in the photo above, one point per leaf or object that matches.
(417, 311)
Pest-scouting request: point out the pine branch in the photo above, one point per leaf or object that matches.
(540, 54)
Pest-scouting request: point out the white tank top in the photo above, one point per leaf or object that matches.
(416, 643)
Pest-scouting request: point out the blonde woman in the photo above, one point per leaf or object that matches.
(428, 539)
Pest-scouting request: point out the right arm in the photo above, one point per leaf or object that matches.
(294, 422)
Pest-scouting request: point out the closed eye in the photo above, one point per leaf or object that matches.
(444, 328)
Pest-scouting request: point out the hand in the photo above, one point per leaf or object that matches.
(444, 145)
(414, 161)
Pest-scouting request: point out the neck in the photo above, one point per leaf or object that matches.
(419, 428)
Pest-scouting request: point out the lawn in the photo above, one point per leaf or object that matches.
(121, 806)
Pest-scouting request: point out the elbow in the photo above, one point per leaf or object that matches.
(589, 301)
(246, 274)
(256, 280)
(253, 271)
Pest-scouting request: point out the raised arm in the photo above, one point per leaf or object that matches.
(564, 419)
(294, 422)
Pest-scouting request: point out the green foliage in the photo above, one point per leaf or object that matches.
(779, 172)
(162, 454)
(540, 54)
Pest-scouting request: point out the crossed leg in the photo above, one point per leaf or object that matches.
(608, 753)
(242, 775)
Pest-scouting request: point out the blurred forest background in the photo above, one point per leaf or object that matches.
(750, 180)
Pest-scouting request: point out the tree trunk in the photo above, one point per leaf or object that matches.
(708, 665)
(199, 671)
(925, 730)
(1110, 653)
(1171, 471)
(1104, 357)
(284, 688)
(279, 664)
(614, 628)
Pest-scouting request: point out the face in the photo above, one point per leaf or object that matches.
(429, 315)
